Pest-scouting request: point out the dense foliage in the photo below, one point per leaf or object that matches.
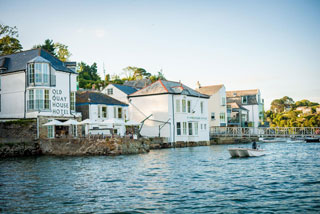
(8, 40)
(285, 112)
(57, 49)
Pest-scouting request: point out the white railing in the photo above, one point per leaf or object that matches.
(265, 131)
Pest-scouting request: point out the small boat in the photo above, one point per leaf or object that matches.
(244, 152)
(273, 140)
(312, 140)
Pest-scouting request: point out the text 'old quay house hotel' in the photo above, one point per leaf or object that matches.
(35, 84)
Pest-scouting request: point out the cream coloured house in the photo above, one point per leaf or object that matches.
(217, 108)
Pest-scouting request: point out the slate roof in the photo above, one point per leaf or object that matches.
(167, 87)
(240, 93)
(209, 90)
(138, 84)
(18, 61)
(126, 89)
(93, 97)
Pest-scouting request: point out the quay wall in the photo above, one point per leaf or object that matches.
(232, 140)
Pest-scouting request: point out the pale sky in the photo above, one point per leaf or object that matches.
(270, 45)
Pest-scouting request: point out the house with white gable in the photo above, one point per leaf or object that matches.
(119, 92)
(217, 108)
(171, 110)
(35, 84)
(250, 100)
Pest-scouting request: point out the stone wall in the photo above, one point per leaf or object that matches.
(85, 146)
(18, 131)
(232, 140)
(19, 149)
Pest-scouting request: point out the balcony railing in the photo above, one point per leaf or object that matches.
(38, 105)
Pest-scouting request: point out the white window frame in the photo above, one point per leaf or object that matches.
(184, 106)
(110, 91)
(196, 128)
(222, 117)
(189, 106)
(178, 106)
(190, 129)
(201, 107)
(179, 129)
(73, 101)
(184, 125)
(244, 101)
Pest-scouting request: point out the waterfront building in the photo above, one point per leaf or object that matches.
(217, 106)
(104, 112)
(35, 84)
(250, 100)
(138, 84)
(119, 92)
(171, 110)
(237, 115)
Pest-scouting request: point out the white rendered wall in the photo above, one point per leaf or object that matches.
(215, 105)
(117, 94)
(253, 114)
(12, 95)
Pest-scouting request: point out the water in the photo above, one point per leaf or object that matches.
(184, 180)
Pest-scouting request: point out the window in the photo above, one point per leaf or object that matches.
(104, 111)
(190, 128)
(46, 99)
(50, 131)
(31, 73)
(213, 117)
(120, 113)
(0, 102)
(178, 128)
(114, 112)
(72, 101)
(183, 105)
(177, 105)
(31, 99)
(38, 73)
(222, 117)
(195, 128)
(0, 83)
(205, 126)
(223, 101)
(201, 126)
(189, 106)
(39, 99)
(201, 107)
(74, 130)
(99, 111)
(110, 91)
(184, 128)
(244, 100)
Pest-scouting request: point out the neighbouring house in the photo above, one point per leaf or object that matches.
(250, 100)
(138, 84)
(171, 110)
(304, 109)
(119, 92)
(217, 107)
(237, 115)
(100, 108)
(318, 110)
(35, 84)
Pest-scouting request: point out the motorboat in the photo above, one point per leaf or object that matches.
(273, 140)
(245, 152)
(312, 140)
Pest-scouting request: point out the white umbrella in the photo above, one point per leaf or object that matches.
(70, 122)
(53, 123)
(132, 123)
(88, 121)
(113, 121)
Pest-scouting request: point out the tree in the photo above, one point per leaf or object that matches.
(8, 40)
(62, 51)
(88, 75)
(48, 46)
(155, 77)
(135, 73)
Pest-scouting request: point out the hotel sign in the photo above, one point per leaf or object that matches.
(60, 102)
(197, 118)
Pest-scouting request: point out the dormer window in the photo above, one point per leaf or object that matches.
(39, 72)
(244, 100)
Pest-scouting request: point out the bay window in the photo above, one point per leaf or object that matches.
(189, 106)
(72, 101)
(38, 73)
(177, 105)
(183, 105)
(38, 99)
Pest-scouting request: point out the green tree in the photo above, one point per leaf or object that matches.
(48, 46)
(62, 51)
(8, 40)
(135, 73)
(88, 75)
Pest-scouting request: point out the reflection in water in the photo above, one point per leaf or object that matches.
(184, 180)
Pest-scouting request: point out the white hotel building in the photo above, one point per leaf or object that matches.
(35, 84)
(172, 110)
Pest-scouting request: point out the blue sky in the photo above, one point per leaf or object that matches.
(270, 45)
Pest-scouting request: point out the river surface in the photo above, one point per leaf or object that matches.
(184, 180)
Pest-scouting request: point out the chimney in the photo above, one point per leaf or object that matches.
(198, 85)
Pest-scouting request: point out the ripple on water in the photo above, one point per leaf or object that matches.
(184, 180)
